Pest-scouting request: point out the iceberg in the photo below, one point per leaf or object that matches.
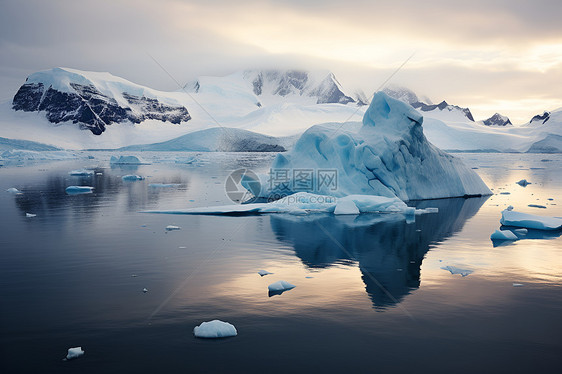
(214, 329)
(74, 353)
(132, 178)
(530, 221)
(75, 190)
(126, 160)
(523, 183)
(172, 227)
(13, 190)
(503, 235)
(30, 215)
(388, 156)
(264, 272)
(280, 286)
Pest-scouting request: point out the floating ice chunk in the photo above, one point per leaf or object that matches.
(214, 329)
(126, 160)
(455, 270)
(163, 185)
(74, 353)
(30, 215)
(280, 286)
(517, 285)
(172, 227)
(536, 206)
(75, 190)
(132, 178)
(510, 208)
(13, 190)
(503, 235)
(81, 173)
(304, 203)
(346, 207)
(144, 290)
(530, 221)
(264, 272)
(505, 193)
(523, 183)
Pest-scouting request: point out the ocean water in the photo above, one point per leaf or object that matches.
(373, 293)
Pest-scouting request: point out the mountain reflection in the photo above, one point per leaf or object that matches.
(388, 250)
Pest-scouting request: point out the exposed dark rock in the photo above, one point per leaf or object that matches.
(541, 117)
(497, 120)
(441, 106)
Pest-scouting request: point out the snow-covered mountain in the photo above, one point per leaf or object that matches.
(497, 120)
(274, 86)
(94, 100)
(540, 118)
(444, 108)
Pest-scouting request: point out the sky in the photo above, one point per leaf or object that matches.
(489, 55)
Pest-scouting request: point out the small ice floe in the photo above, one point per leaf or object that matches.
(99, 173)
(132, 178)
(505, 193)
(144, 290)
(214, 329)
(309, 277)
(503, 235)
(182, 247)
(517, 284)
(523, 182)
(456, 270)
(81, 173)
(172, 228)
(163, 185)
(264, 272)
(75, 190)
(510, 208)
(13, 190)
(279, 287)
(74, 353)
(346, 207)
(30, 215)
(536, 206)
(126, 160)
(530, 221)
(550, 199)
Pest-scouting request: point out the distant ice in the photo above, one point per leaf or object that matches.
(75, 190)
(132, 178)
(536, 206)
(126, 160)
(503, 235)
(81, 173)
(74, 353)
(530, 221)
(163, 185)
(215, 329)
(144, 290)
(30, 215)
(13, 190)
(456, 270)
(517, 285)
(264, 272)
(172, 227)
(523, 183)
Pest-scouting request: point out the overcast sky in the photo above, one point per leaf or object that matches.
(488, 55)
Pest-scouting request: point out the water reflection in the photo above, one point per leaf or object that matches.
(388, 250)
(49, 194)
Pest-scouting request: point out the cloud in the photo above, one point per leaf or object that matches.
(477, 52)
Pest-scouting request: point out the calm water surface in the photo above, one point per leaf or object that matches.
(371, 295)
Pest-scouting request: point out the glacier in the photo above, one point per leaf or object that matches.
(388, 156)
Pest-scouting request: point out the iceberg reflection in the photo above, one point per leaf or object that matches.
(388, 250)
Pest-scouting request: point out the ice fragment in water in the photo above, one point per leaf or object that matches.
(214, 329)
